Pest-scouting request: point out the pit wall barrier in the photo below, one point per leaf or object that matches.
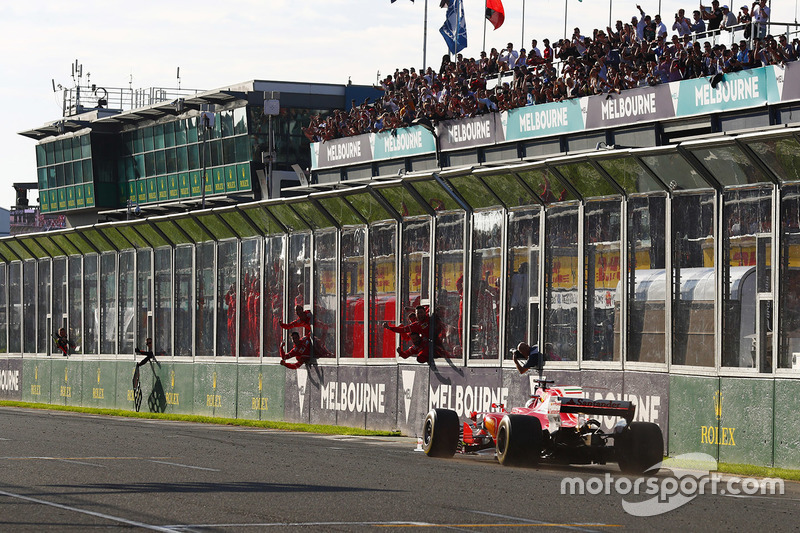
(734, 419)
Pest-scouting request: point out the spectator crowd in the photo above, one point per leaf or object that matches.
(635, 54)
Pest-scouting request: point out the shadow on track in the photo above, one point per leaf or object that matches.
(205, 487)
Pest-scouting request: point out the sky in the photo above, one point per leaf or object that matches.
(216, 44)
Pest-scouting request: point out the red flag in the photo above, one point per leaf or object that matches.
(495, 13)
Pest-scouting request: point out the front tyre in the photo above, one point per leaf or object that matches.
(519, 440)
(640, 448)
(440, 433)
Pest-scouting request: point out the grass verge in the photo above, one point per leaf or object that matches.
(758, 471)
(744, 470)
(269, 424)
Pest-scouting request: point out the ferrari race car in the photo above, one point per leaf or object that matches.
(554, 426)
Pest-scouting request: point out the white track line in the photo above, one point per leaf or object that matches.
(185, 466)
(526, 520)
(90, 513)
(78, 462)
(180, 527)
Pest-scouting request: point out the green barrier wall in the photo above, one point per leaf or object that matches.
(36, 380)
(786, 440)
(178, 383)
(260, 392)
(66, 381)
(221, 397)
(123, 391)
(100, 384)
(694, 419)
(745, 429)
(215, 387)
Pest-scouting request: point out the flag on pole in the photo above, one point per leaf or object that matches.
(495, 13)
(454, 29)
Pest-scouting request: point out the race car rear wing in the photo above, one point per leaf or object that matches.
(619, 408)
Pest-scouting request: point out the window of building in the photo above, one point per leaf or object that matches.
(44, 336)
(487, 234)
(126, 302)
(603, 249)
(448, 332)
(75, 302)
(108, 303)
(29, 306)
(205, 291)
(522, 278)
(250, 296)
(274, 258)
(352, 304)
(3, 310)
(184, 298)
(144, 296)
(646, 341)
(162, 300)
(693, 278)
(789, 271)
(381, 287)
(747, 321)
(91, 307)
(562, 294)
(227, 296)
(59, 294)
(325, 293)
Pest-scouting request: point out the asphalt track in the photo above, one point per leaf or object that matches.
(73, 472)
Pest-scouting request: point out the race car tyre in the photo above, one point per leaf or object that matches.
(519, 440)
(440, 433)
(640, 448)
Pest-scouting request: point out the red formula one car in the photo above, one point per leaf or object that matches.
(554, 426)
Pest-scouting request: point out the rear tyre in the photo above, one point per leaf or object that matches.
(640, 448)
(519, 440)
(440, 433)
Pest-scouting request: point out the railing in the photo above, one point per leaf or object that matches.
(728, 36)
(80, 99)
(748, 32)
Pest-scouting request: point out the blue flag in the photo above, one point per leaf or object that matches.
(456, 41)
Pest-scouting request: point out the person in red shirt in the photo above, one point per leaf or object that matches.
(303, 320)
(421, 349)
(405, 330)
(301, 350)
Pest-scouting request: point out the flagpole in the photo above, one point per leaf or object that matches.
(609, 11)
(522, 42)
(425, 40)
(455, 34)
(485, 7)
(565, 19)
